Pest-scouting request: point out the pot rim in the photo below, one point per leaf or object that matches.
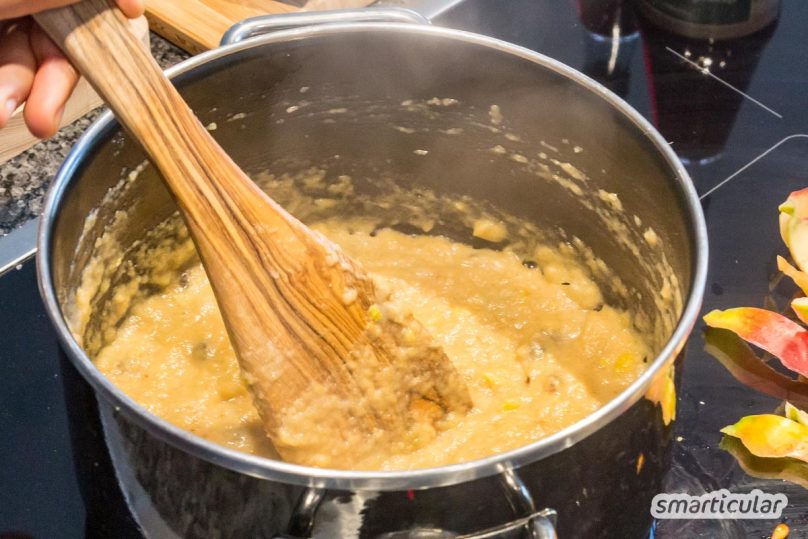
(266, 468)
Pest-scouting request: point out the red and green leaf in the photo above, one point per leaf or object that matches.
(773, 332)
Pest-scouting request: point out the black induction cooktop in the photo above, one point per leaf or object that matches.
(734, 110)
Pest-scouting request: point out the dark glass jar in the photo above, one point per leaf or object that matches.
(711, 19)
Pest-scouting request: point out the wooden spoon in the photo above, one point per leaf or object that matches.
(323, 368)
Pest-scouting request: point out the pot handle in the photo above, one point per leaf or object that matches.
(536, 525)
(539, 525)
(258, 26)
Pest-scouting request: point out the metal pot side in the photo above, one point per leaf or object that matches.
(588, 471)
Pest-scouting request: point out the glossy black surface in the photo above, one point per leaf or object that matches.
(714, 128)
(38, 487)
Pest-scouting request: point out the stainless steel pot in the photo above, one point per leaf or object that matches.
(282, 90)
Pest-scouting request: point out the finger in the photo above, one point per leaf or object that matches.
(17, 67)
(11, 9)
(54, 81)
(131, 8)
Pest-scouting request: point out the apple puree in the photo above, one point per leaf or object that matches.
(534, 341)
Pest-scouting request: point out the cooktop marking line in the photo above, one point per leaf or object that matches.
(750, 163)
(707, 72)
(18, 246)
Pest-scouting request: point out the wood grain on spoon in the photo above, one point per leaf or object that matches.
(296, 308)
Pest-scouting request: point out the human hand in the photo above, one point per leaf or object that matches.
(32, 68)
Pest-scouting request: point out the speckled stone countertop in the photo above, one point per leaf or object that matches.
(25, 178)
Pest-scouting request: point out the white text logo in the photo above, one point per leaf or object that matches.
(719, 504)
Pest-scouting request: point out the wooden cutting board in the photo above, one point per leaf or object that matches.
(198, 25)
